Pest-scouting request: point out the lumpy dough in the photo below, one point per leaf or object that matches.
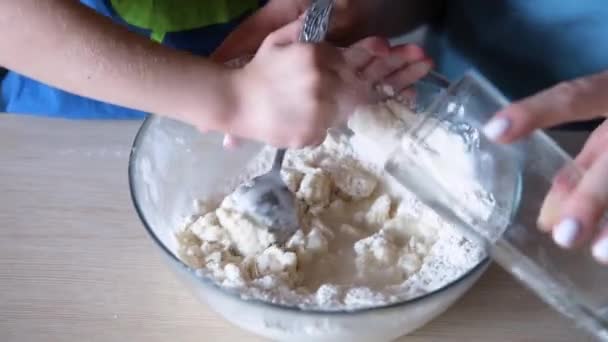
(361, 243)
(247, 236)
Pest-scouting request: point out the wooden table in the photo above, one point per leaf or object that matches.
(76, 264)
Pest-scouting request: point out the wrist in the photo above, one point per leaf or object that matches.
(239, 88)
(211, 101)
(231, 96)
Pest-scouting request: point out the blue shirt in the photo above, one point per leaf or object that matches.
(20, 94)
(522, 46)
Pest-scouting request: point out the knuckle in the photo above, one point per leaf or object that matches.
(565, 93)
(580, 85)
(566, 179)
(564, 88)
(523, 118)
(588, 204)
(519, 112)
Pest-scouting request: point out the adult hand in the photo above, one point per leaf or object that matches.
(248, 36)
(373, 61)
(575, 205)
(376, 62)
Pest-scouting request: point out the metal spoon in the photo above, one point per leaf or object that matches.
(268, 201)
(266, 198)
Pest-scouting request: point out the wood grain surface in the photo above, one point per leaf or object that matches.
(76, 264)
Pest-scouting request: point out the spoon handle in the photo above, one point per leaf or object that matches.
(278, 160)
(314, 30)
(316, 21)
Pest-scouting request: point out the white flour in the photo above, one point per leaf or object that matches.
(364, 241)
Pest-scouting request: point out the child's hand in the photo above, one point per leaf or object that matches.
(291, 93)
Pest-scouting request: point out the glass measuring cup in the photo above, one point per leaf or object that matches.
(495, 193)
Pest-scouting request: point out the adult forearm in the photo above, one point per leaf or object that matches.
(67, 45)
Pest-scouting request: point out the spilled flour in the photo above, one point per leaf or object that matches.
(364, 241)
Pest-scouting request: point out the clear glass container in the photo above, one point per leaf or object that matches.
(172, 165)
(496, 195)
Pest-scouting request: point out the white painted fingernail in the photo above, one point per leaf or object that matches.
(495, 129)
(600, 250)
(565, 233)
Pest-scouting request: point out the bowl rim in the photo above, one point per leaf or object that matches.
(208, 281)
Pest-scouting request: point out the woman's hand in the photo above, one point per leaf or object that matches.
(376, 62)
(575, 206)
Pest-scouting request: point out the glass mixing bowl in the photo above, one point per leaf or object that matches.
(172, 165)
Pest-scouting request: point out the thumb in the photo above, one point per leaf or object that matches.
(249, 35)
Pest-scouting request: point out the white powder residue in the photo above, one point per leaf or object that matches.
(363, 242)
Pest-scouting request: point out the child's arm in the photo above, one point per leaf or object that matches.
(287, 96)
(67, 45)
